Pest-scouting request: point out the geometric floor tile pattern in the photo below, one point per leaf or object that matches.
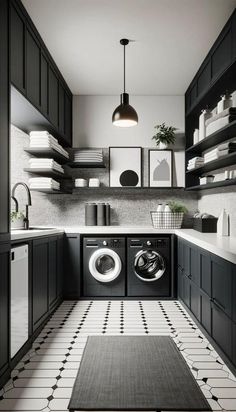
(44, 378)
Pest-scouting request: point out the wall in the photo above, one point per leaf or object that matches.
(213, 201)
(129, 207)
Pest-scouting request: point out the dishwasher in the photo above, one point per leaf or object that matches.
(19, 298)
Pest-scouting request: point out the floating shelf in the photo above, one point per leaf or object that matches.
(220, 163)
(47, 152)
(222, 135)
(47, 173)
(110, 188)
(79, 165)
(51, 191)
(222, 183)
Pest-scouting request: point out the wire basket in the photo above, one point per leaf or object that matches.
(167, 220)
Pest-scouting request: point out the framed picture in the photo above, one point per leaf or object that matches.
(125, 164)
(160, 168)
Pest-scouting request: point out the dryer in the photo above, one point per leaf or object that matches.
(149, 267)
(104, 267)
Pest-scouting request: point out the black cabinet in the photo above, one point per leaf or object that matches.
(205, 312)
(33, 68)
(180, 283)
(4, 306)
(61, 119)
(205, 271)
(72, 267)
(53, 97)
(195, 300)
(222, 52)
(68, 118)
(234, 342)
(17, 42)
(180, 252)
(44, 85)
(186, 290)
(195, 265)
(186, 258)
(60, 266)
(222, 329)
(52, 271)
(40, 281)
(221, 271)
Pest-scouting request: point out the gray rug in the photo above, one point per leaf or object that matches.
(135, 373)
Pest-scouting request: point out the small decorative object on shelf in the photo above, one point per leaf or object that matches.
(160, 168)
(164, 135)
(196, 136)
(125, 166)
(87, 158)
(206, 179)
(81, 183)
(225, 102)
(205, 115)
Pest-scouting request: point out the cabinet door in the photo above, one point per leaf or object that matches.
(222, 55)
(186, 258)
(60, 265)
(72, 265)
(222, 330)
(4, 305)
(32, 68)
(205, 272)
(52, 271)
(40, 281)
(61, 109)
(234, 291)
(195, 265)
(234, 343)
(44, 85)
(53, 97)
(195, 300)
(186, 290)
(68, 118)
(180, 253)
(205, 308)
(180, 283)
(222, 283)
(17, 31)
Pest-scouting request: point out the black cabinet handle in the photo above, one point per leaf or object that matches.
(217, 304)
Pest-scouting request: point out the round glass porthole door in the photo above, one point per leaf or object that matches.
(105, 265)
(149, 265)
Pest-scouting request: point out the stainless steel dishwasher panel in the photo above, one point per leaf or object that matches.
(19, 298)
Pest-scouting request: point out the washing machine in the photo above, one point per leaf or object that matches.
(104, 266)
(149, 266)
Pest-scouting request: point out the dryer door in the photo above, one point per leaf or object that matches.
(105, 265)
(149, 265)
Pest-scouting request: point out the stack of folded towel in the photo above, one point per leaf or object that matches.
(220, 120)
(43, 183)
(88, 156)
(195, 162)
(45, 140)
(222, 150)
(43, 164)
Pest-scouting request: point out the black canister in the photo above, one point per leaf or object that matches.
(101, 214)
(90, 214)
(108, 214)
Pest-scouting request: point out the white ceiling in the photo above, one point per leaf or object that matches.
(172, 38)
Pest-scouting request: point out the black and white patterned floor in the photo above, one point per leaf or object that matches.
(43, 380)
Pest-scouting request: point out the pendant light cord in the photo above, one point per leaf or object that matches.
(124, 68)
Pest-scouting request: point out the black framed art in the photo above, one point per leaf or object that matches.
(125, 166)
(160, 165)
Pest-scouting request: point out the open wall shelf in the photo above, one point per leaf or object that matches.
(47, 173)
(217, 164)
(47, 153)
(79, 165)
(213, 185)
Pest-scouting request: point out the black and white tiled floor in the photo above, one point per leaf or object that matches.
(43, 380)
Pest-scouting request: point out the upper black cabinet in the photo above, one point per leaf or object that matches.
(53, 97)
(33, 68)
(35, 74)
(17, 42)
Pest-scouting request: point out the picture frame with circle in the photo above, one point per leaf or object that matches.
(125, 166)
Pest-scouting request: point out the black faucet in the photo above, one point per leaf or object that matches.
(26, 219)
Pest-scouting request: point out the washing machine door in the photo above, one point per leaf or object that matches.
(149, 265)
(105, 265)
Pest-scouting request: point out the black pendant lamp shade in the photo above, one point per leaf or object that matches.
(124, 115)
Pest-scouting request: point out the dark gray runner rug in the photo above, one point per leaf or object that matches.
(135, 373)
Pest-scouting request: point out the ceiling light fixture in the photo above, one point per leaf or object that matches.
(124, 115)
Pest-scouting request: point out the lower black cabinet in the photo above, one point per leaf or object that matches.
(71, 284)
(186, 290)
(40, 281)
(60, 266)
(221, 272)
(4, 306)
(52, 271)
(180, 283)
(195, 300)
(205, 312)
(222, 329)
(234, 343)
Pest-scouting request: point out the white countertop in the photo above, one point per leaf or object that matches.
(224, 247)
(27, 234)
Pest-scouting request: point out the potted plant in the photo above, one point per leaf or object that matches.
(17, 220)
(164, 135)
(176, 207)
(178, 210)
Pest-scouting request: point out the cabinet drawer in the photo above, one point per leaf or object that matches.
(222, 283)
(205, 308)
(222, 329)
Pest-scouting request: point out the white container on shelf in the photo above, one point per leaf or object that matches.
(225, 102)
(223, 224)
(81, 183)
(196, 136)
(205, 115)
(160, 210)
(94, 182)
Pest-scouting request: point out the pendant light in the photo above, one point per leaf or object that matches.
(124, 115)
